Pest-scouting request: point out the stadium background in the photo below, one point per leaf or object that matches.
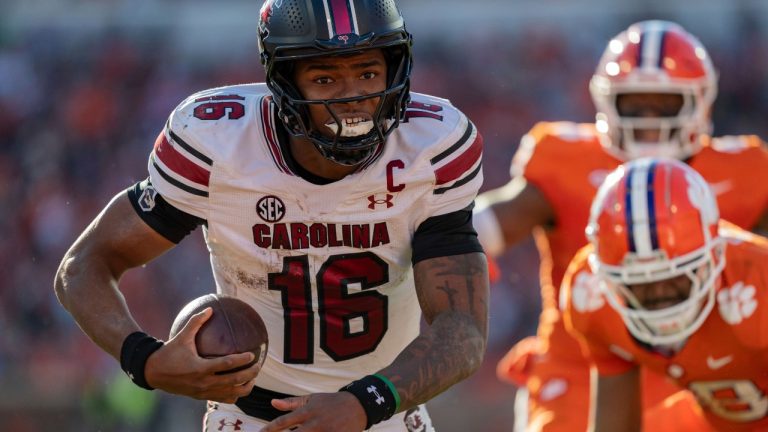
(85, 86)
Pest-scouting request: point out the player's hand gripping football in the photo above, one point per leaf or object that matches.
(319, 412)
(177, 368)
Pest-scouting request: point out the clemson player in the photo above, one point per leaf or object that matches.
(653, 90)
(664, 284)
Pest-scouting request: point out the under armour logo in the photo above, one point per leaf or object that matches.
(413, 420)
(379, 398)
(235, 426)
(374, 201)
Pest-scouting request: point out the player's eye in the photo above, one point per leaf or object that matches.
(323, 80)
(368, 75)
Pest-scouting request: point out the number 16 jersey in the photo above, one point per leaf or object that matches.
(328, 267)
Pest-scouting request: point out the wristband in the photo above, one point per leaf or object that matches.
(137, 347)
(377, 395)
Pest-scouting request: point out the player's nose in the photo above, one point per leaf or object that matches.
(651, 291)
(349, 87)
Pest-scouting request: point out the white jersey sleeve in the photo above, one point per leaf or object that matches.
(454, 157)
(181, 163)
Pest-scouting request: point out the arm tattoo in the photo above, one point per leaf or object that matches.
(453, 292)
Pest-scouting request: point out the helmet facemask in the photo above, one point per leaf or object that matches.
(654, 222)
(350, 144)
(291, 30)
(679, 135)
(668, 325)
(654, 57)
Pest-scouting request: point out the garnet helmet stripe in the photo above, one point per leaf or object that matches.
(341, 16)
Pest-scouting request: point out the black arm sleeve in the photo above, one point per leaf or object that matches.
(164, 218)
(445, 235)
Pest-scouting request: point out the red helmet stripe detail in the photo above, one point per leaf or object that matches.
(341, 16)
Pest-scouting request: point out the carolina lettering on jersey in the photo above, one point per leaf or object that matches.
(297, 235)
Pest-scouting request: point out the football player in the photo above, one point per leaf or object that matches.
(306, 187)
(653, 89)
(666, 285)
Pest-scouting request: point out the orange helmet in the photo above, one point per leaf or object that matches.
(654, 57)
(655, 219)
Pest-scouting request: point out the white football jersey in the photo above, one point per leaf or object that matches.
(328, 267)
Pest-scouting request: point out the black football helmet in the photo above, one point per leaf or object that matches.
(297, 29)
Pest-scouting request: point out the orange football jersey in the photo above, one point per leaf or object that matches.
(723, 363)
(567, 163)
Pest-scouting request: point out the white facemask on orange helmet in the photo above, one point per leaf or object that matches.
(654, 57)
(655, 219)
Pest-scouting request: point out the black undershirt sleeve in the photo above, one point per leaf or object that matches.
(156, 212)
(445, 235)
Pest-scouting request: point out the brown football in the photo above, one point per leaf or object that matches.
(234, 327)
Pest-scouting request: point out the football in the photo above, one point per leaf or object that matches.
(234, 327)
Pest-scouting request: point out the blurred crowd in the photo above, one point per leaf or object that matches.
(78, 117)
